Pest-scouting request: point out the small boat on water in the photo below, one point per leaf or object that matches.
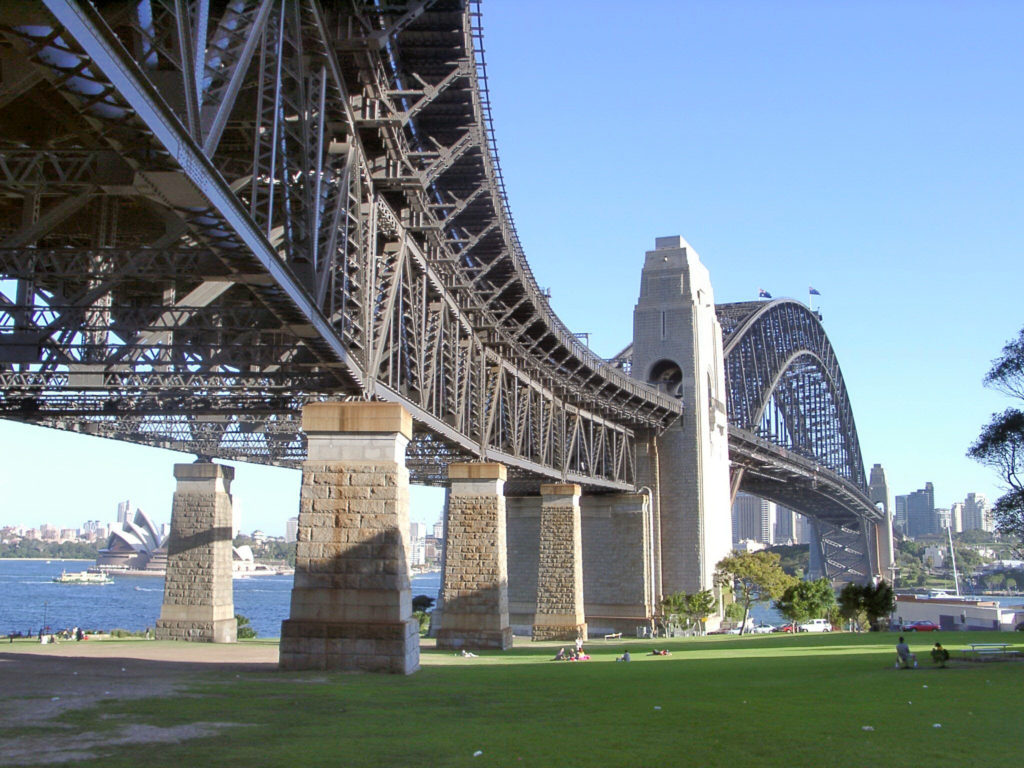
(83, 577)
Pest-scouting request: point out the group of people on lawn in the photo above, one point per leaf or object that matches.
(905, 659)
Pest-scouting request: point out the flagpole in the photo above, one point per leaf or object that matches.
(810, 299)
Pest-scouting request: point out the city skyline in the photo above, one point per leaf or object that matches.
(889, 182)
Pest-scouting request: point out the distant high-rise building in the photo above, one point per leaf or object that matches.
(977, 515)
(783, 524)
(753, 518)
(291, 530)
(943, 518)
(439, 530)
(801, 529)
(124, 510)
(900, 513)
(956, 516)
(417, 531)
(921, 519)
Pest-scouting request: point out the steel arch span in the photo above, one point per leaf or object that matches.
(213, 213)
(793, 439)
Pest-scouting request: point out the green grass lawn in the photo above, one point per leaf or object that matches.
(736, 701)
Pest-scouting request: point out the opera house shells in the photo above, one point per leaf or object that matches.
(137, 546)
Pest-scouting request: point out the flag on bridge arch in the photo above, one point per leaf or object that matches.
(813, 291)
(763, 294)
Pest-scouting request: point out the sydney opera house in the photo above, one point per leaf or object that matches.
(136, 546)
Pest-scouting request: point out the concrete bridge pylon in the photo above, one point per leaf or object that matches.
(677, 346)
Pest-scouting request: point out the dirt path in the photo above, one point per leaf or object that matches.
(40, 682)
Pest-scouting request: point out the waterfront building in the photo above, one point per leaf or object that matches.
(291, 530)
(936, 556)
(135, 545)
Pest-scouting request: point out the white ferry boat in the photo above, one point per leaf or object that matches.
(83, 577)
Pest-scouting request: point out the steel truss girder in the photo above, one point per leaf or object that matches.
(266, 187)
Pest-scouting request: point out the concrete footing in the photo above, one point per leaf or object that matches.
(559, 613)
(474, 591)
(198, 598)
(351, 605)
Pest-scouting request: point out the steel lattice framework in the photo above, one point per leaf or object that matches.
(214, 211)
(792, 436)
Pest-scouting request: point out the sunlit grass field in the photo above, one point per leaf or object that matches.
(809, 700)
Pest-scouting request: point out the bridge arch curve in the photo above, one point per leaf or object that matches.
(784, 384)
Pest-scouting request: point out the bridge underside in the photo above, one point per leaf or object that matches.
(843, 519)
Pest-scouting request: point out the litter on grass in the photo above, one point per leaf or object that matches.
(867, 727)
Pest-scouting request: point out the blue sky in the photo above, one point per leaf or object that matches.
(869, 149)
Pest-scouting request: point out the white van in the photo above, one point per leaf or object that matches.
(815, 625)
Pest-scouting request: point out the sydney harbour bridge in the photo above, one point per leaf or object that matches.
(259, 229)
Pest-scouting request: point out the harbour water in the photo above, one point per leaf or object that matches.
(30, 599)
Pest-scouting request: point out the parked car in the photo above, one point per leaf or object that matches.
(762, 629)
(815, 625)
(921, 626)
(785, 628)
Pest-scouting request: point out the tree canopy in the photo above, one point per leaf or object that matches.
(695, 607)
(753, 577)
(873, 602)
(1000, 446)
(807, 600)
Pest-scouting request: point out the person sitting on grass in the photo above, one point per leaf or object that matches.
(940, 655)
(624, 657)
(903, 654)
(560, 656)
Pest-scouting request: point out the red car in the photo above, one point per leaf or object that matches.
(921, 626)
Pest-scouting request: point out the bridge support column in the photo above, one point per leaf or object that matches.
(475, 586)
(523, 516)
(677, 346)
(351, 605)
(617, 562)
(560, 613)
(198, 598)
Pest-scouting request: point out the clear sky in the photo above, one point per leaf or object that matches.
(870, 149)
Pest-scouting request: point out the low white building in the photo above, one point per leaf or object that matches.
(956, 613)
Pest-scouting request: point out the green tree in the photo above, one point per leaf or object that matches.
(867, 603)
(1000, 446)
(806, 600)
(879, 602)
(695, 608)
(245, 630)
(754, 577)
(851, 604)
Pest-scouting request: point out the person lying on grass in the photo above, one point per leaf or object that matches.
(656, 652)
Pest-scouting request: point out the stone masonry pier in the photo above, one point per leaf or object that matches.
(198, 598)
(559, 613)
(351, 605)
(475, 586)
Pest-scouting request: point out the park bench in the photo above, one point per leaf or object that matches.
(988, 650)
(613, 636)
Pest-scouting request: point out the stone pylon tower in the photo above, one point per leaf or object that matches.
(677, 346)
